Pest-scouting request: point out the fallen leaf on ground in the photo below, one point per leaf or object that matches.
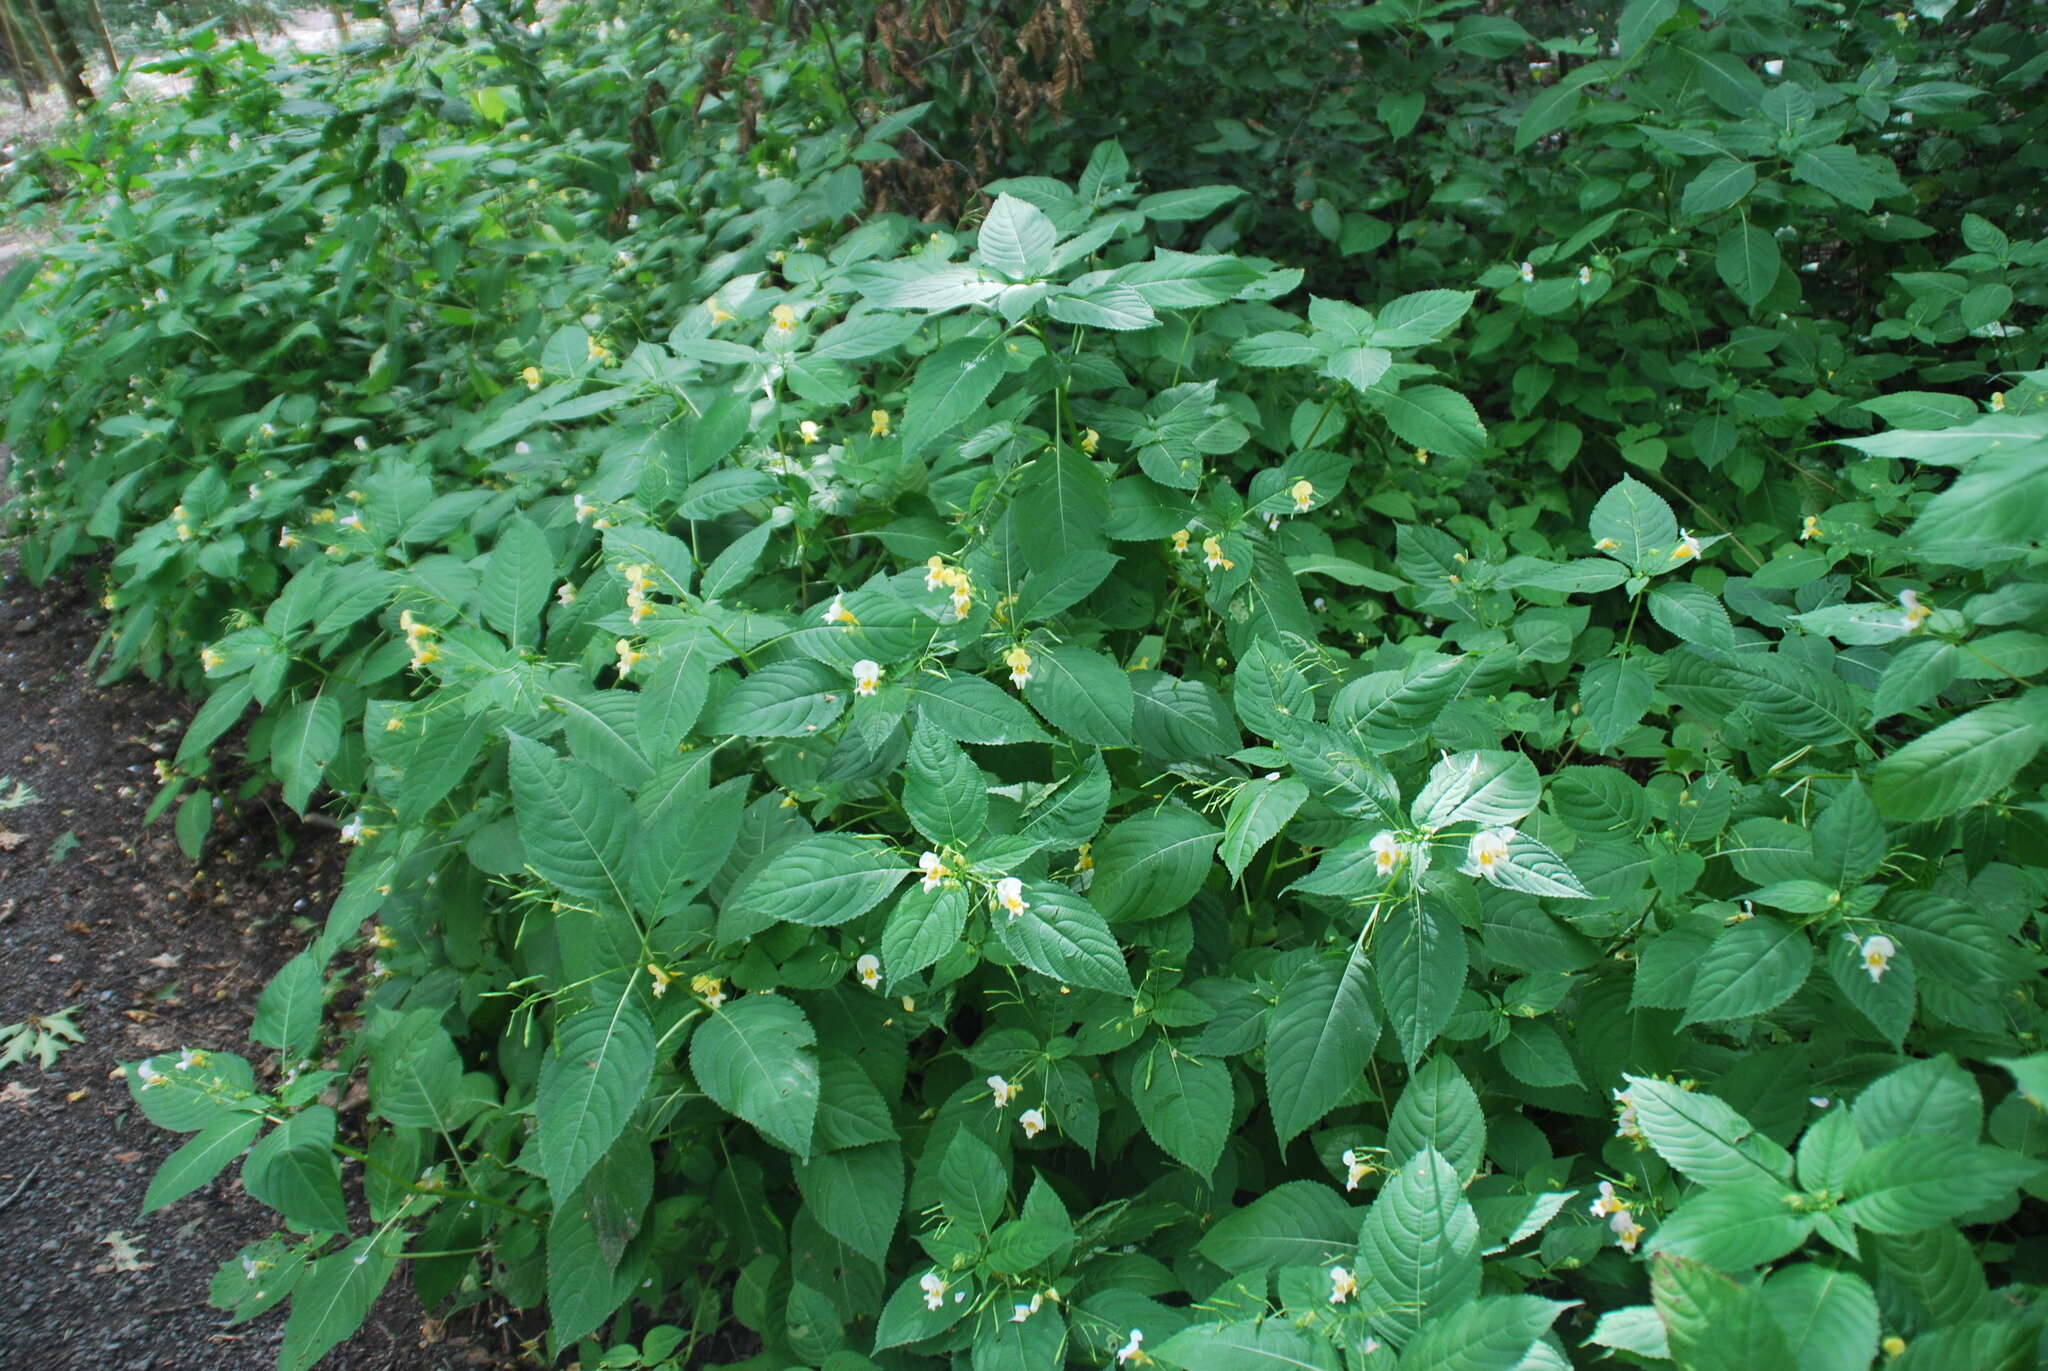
(122, 1254)
(14, 1092)
(9, 839)
(164, 961)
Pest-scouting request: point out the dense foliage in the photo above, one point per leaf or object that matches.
(1047, 790)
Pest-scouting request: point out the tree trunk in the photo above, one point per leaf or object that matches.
(21, 55)
(62, 50)
(101, 32)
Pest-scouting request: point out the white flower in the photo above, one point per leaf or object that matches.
(1688, 546)
(1272, 523)
(350, 520)
(1019, 662)
(1877, 953)
(1916, 613)
(1132, 1350)
(1021, 1312)
(1003, 1090)
(148, 1075)
(584, 509)
(1585, 276)
(1527, 271)
(1304, 494)
(352, 831)
(1625, 1125)
(1819, 1101)
(565, 593)
(1775, 67)
(934, 1287)
(1626, 1230)
(838, 613)
(869, 969)
(1010, 895)
(1487, 850)
(808, 429)
(188, 1059)
(1343, 1285)
(1032, 1121)
(934, 871)
(1356, 1168)
(1608, 1203)
(1386, 851)
(867, 674)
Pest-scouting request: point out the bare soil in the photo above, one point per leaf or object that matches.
(101, 913)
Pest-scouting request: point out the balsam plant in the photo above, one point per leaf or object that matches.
(1044, 792)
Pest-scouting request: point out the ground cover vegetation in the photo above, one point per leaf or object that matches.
(1250, 685)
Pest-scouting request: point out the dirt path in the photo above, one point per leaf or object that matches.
(100, 913)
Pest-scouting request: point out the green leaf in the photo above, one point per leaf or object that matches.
(1747, 260)
(857, 1194)
(583, 1287)
(305, 741)
(575, 828)
(1185, 1104)
(1828, 1316)
(1418, 1249)
(1713, 1323)
(1439, 1111)
(1152, 864)
(1257, 814)
(1908, 1184)
(1482, 788)
(1964, 762)
(1844, 174)
(288, 1012)
(1719, 184)
(294, 1171)
(792, 699)
(1932, 1097)
(1434, 418)
(591, 1081)
(1318, 1042)
(1702, 1137)
(948, 390)
(1064, 500)
(1734, 1227)
(944, 792)
(1690, 612)
(968, 709)
(332, 1299)
(1640, 20)
(906, 1318)
(518, 577)
(1195, 202)
(1272, 1345)
(973, 1183)
(197, 1162)
(1614, 694)
(924, 926)
(1637, 521)
(1083, 694)
(1493, 1333)
(1421, 965)
(1017, 239)
(820, 881)
(1751, 968)
(1297, 1223)
(1423, 317)
(754, 1058)
(1061, 935)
